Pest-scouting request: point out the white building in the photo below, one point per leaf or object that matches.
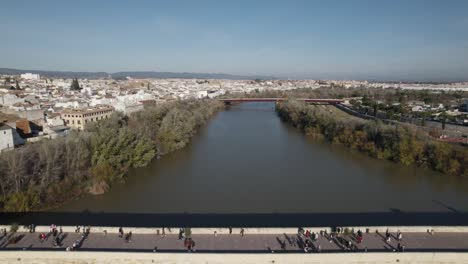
(6, 138)
(202, 94)
(30, 76)
(10, 99)
(54, 119)
(9, 137)
(128, 108)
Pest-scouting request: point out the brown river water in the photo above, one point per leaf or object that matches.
(246, 160)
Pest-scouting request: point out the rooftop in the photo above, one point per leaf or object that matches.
(87, 110)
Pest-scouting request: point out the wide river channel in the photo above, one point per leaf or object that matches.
(246, 160)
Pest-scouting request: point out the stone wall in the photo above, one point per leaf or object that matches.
(174, 230)
(43, 257)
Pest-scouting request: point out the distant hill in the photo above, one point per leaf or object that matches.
(57, 74)
(135, 74)
(185, 75)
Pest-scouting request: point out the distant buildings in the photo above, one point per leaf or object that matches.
(30, 76)
(78, 118)
(51, 108)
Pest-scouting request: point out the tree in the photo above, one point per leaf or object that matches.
(443, 119)
(17, 85)
(75, 85)
(423, 120)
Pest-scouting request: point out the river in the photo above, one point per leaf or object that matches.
(246, 160)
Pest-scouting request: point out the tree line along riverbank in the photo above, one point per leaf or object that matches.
(402, 143)
(49, 173)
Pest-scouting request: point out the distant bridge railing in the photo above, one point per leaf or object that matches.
(307, 100)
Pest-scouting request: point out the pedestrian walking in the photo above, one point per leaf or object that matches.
(181, 233)
(283, 245)
(42, 237)
(230, 230)
(300, 231)
(242, 232)
(121, 232)
(359, 236)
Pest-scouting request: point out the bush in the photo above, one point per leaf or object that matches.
(49, 172)
(402, 143)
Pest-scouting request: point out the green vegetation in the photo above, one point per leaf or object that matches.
(48, 173)
(399, 143)
(75, 85)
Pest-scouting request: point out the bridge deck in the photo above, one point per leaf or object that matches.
(308, 100)
(420, 242)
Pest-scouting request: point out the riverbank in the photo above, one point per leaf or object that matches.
(50, 173)
(402, 144)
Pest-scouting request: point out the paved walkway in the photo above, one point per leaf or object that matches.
(373, 242)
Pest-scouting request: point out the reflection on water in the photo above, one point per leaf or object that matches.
(247, 161)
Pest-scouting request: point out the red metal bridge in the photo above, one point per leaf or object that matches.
(307, 100)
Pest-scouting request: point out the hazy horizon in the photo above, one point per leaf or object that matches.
(363, 40)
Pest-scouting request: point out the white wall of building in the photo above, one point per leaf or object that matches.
(6, 138)
(55, 121)
(10, 99)
(30, 76)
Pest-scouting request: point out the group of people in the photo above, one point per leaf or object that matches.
(399, 237)
(83, 229)
(388, 236)
(347, 239)
(345, 242)
(189, 244)
(79, 241)
(306, 239)
(55, 232)
(314, 236)
(127, 236)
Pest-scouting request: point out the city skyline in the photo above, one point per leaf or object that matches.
(391, 40)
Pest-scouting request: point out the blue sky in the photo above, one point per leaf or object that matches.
(332, 39)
